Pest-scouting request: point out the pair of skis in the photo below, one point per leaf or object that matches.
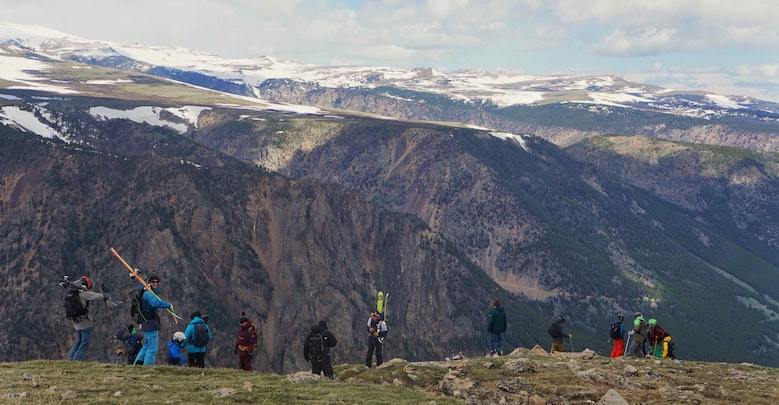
(381, 304)
(145, 285)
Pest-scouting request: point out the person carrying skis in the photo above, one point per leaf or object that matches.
(82, 321)
(377, 331)
(175, 358)
(316, 349)
(151, 327)
(617, 336)
(496, 325)
(198, 334)
(245, 343)
(558, 333)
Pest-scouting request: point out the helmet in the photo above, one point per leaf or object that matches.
(87, 282)
(621, 317)
(179, 337)
(653, 322)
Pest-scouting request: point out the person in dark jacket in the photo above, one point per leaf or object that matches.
(558, 333)
(245, 343)
(320, 363)
(196, 356)
(377, 331)
(131, 339)
(151, 327)
(496, 325)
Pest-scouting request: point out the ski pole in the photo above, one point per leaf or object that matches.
(570, 339)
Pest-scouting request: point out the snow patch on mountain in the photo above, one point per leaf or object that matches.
(26, 121)
(512, 137)
(153, 115)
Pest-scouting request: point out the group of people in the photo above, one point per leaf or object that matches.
(644, 338)
(141, 343)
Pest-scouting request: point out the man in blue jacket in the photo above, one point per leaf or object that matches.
(151, 327)
(196, 350)
(496, 325)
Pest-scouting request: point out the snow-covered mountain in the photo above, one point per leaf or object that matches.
(245, 76)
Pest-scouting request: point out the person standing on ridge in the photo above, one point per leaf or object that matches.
(617, 336)
(377, 331)
(151, 327)
(558, 333)
(640, 331)
(656, 335)
(496, 325)
(196, 350)
(245, 343)
(316, 349)
(82, 322)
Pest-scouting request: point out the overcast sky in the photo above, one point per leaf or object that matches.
(728, 47)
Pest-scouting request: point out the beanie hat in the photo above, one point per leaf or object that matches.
(637, 314)
(154, 278)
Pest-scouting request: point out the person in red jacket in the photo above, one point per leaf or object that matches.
(245, 343)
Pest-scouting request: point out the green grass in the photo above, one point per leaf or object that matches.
(89, 382)
(521, 377)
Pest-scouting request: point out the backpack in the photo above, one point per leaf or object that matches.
(555, 331)
(200, 335)
(316, 347)
(137, 308)
(73, 308)
(615, 330)
(671, 350)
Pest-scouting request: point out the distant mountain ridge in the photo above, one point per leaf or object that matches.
(501, 90)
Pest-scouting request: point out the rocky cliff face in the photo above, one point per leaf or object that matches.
(223, 241)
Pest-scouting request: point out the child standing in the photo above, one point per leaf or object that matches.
(175, 358)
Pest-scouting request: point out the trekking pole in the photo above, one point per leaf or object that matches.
(105, 290)
(570, 339)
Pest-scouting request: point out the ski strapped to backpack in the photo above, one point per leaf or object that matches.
(145, 285)
(381, 304)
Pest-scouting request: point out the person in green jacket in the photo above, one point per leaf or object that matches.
(496, 325)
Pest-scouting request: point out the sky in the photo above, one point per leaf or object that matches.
(726, 47)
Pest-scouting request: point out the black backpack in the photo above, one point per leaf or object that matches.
(73, 308)
(615, 330)
(555, 331)
(200, 333)
(137, 308)
(316, 347)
